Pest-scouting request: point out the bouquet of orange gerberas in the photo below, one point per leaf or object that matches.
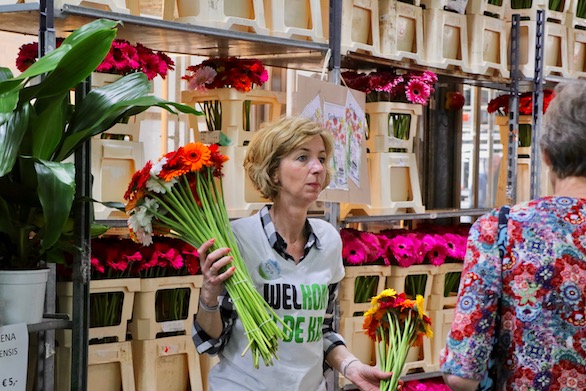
(395, 323)
(180, 195)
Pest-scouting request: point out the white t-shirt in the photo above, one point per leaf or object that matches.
(299, 295)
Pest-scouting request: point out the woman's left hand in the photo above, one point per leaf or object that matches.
(366, 377)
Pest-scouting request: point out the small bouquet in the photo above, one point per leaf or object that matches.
(380, 86)
(225, 72)
(396, 324)
(180, 196)
(122, 59)
(500, 105)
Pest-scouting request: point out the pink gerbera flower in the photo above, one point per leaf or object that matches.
(354, 252)
(404, 250)
(417, 91)
(375, 250)
(436, 249)
(455, 246)
(201, 77)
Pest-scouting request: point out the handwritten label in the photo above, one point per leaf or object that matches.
(13, 357)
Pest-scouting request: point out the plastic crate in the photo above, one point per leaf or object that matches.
(110, 367)
(441, 322)
(246, 16)
(126, 286)
(531, 13)
(577, 52)
(167, 364)
(144, 325)
(347, 287)
(360, 19)
(401, 31)
(305, 22)
(438, 300)
(232, 102)
(357, 342)
(396, 189)
(397, 279)
(483, 7)
(449, 33)
(487, 44)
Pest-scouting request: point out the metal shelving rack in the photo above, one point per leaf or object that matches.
(38, 19)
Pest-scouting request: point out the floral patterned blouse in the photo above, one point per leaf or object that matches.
(542, 343)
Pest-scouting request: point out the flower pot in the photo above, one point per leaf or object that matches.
(22, 295)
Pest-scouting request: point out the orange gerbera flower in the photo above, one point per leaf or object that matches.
(196, 155)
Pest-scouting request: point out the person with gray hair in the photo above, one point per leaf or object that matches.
(520, 317)
(295, 263)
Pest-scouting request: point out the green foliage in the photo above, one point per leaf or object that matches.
(40, 127)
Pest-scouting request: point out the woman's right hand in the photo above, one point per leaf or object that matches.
(213, 278)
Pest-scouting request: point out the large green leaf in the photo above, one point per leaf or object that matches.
(103, 107)
(48, 126)
(13, 127)
(56, 189)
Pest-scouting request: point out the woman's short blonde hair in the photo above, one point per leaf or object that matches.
(275, 140)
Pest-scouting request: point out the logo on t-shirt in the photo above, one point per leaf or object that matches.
(269, 269)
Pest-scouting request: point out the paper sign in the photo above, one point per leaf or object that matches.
(356, 124)
(334, 121)
(13, 357)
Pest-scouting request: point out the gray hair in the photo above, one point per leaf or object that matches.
(563, 137)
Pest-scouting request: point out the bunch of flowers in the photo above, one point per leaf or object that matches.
(425, 385)
(395, 323)
(114, 258)
(427, 245)
(122, 59)
(410, 87)
(500, 105)
(225, 72)
(181, 195)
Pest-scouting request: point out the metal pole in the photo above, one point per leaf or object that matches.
(535, 186)
(46, 339)
(81, 264)
(511, 189)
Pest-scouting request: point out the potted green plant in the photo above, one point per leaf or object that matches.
(40, 128)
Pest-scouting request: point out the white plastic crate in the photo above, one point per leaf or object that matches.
(144, 324)
(531, 13)
(577, 53)
(110, 367)
(572, 20)
(438, 300)
(297, 19)
(244, 15)
(380, 137)
(232, 102)
(398, 277)
(441, 322)
(487, 44)
(240, 196)
(483, 7)
(360, 33)
(170, 364)
(449, 33)
(347, 286)
(555, 60)
(401, 31)
(357, 341)
(396, 189)
(127, 287)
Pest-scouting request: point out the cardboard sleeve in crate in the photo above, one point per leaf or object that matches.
(348, 288)
(126, 286)
(144, 323)
(438, 299)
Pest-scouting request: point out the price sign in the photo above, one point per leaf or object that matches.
(13, 357)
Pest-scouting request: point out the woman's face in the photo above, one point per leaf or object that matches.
(301, 173)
